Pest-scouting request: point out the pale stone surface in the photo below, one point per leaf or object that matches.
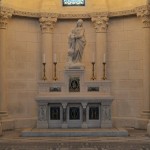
(125, 69)
(23, 68)
(125, 64)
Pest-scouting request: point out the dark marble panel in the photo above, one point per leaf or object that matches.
(54, 113)
(93, 113)
(74, 113)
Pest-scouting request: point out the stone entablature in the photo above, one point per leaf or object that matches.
(76, 15)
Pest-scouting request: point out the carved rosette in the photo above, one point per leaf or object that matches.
(100, 23)
(144, 13)
(47, 24)
(5, 14)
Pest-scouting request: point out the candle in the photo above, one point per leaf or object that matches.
(44, 60)
(104, 59)
(93, 58)
(55, 58)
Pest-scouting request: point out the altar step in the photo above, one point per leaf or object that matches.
(113, 132)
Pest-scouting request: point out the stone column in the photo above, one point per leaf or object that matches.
(100, 24)
(144, 14)
(64, 125)
(47, 26)
(5, 14)
(84, 124)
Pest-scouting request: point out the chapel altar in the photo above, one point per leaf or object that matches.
(74, 102)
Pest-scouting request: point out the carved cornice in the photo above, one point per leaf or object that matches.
(47, 23)
(26, 14)
(122, 13)
(73, 16)
(144, 13)
(5, 14)
(100, 22)
(76, 15)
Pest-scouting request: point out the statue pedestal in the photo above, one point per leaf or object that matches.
(74, 66)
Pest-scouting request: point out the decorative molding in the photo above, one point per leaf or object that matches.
(5, 14)
(73, 16)
(144, 13)
(26, 14)
(136, 11)
(47, 23)
(122, 13)
(100, 23)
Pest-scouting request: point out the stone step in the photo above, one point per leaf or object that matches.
(73, 132)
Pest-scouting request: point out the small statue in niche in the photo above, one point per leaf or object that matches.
(76, 42)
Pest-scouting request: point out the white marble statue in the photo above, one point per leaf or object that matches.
(76, 42)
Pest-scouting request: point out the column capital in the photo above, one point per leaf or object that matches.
(100, 22)
(144, 13)
(47, 23)
(5, 14)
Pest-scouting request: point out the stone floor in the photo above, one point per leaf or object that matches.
(137, 140)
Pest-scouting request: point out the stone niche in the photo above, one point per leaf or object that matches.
(74, 103)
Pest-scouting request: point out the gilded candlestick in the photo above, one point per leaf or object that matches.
(104, 71)
(44, 72)
(93, 71)
(55, 76)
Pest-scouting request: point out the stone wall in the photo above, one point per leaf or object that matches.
(124, 57)
(23, 66)
(125, 68)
